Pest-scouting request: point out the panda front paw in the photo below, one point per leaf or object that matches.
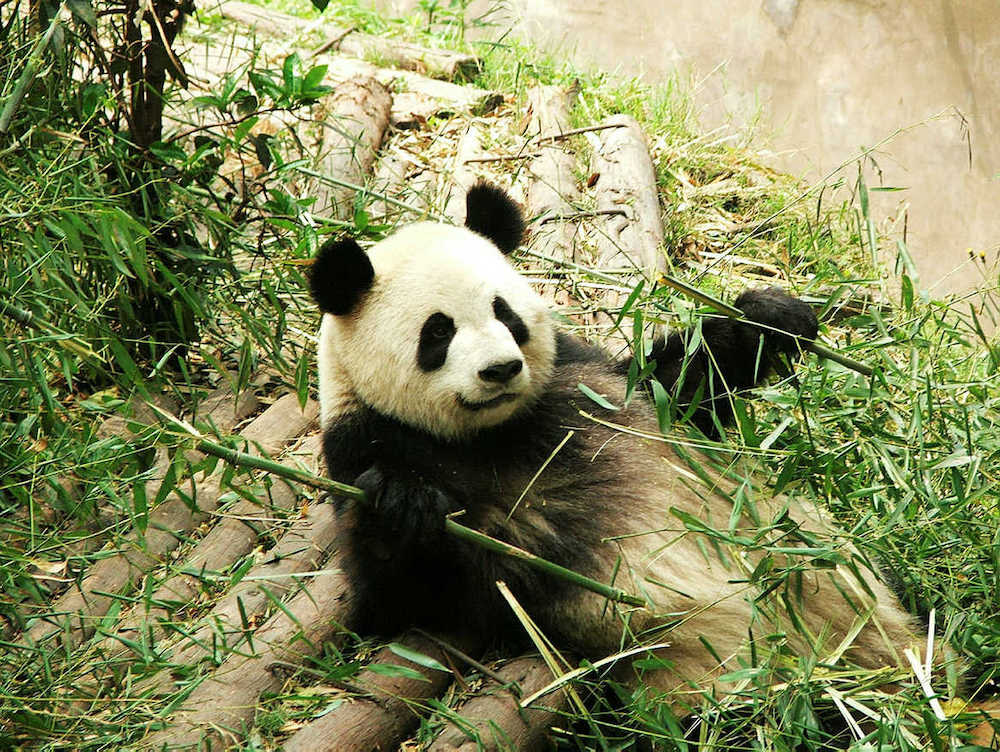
(780, 315)
(403, 508)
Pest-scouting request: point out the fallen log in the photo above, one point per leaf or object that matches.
(442, 64)
(76, 613)
(416, 98)
(301, 549)
(353, 120)
(220, 409)
(493, 720)
(462, 177)
(231, 538)
(552, 188)
(384, 718)
(220, 708)
(629, 230)
(414, 57)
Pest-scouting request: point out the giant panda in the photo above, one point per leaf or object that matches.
(447, 389)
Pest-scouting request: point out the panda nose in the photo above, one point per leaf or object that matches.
(501, 373)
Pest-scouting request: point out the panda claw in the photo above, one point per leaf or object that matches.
(408, 510)
(782, 314)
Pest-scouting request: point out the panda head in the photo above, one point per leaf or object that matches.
(432, 326)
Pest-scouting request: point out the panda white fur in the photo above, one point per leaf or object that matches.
(445, 387)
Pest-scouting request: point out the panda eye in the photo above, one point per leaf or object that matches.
(435, 337)
(440, 331)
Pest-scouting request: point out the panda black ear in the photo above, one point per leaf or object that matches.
(341, 273)
(493, 214)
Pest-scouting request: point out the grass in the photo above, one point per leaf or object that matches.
(906, 460)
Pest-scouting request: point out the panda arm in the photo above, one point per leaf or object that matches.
(390, 463)
(733, 355)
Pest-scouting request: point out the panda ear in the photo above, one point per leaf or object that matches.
(493, 214)
(341, 273)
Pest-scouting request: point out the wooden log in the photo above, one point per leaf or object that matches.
(385, 718)
(437, 63)
(353, 119)
(232, 538)
(220, 708)
(219, 409)
(462, 176)
(494, 720)
(443, 64)
(76, 613)
(416, 98)
(552, 187)
(630, 235)
(301, 549)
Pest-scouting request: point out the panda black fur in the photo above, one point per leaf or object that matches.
(445, 387)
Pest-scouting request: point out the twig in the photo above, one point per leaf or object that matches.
(577, 131)
(504, 158)
(178, 68)
(574, 216)
(334, 41)
(544, 139)
(497, 546)
(813, 346)
(242, 459)
(381, 196)
(469, 660)
(65, 340)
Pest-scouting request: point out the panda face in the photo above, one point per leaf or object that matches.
(445, 336)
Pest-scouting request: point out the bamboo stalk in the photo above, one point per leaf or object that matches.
(814, 346)
(28, 73)
(497, 546)
(242, 459)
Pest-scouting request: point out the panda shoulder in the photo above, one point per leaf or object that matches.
(570, 349)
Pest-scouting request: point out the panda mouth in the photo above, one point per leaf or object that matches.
(487, 404)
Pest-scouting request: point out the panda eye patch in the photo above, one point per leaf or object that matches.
(435, 336)
(506, 316)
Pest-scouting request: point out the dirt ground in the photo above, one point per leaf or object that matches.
(819, 80)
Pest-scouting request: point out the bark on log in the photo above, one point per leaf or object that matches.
(354, 122)
(633, 238)
(437, 63)
(462, 177)
(219, 409)
(301, 549)
(412, 57)
(493, 717)
(385, 719)
(218, 710)
(232, 538)
(552, 187)
(76, 613)
(416, 98)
